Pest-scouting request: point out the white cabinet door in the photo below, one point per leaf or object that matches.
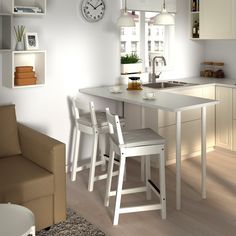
(217, 19)
(209, 92)
(224, 117)
(191, 139)
(234, 119)
(234, 104)
(133, 116)
(234, 135)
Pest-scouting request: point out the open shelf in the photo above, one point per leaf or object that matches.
(5, 31)
(10, 5)
(36, 59)
(194, 18)
(10, 58)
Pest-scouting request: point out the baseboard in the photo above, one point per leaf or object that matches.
(188, 156)
(226, 151)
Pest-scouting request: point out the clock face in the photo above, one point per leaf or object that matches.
(93, 10)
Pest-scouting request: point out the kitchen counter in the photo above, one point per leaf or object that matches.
(168, 101)
(207, 81)
(164, 100)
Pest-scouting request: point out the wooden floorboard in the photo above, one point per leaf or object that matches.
(215, 216)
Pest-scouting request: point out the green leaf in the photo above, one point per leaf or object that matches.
(128, 59)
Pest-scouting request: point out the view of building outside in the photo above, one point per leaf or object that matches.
(154, 38)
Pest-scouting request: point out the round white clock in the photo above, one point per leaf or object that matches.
(93, 10)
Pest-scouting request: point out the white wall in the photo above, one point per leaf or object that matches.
(223, 50)
(80, 54)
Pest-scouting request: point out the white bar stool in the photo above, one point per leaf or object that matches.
(130, 144)
(95, 124)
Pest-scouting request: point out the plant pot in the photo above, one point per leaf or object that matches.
(20, 46)
(131, 68)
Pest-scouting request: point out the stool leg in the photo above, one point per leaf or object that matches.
(72, 147)
(75, 153)
(102, 147)
(148, 176)
(143, 168)
(162, 184)
(93, 162)
(109, 176)
(119, 190)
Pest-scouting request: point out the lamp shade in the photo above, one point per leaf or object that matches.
(164, 18)
(125, 20)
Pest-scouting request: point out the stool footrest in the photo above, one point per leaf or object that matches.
(87, 165)
(116, 160)
(154, 188)
(104, 176)
(130, 190)
(140, 208)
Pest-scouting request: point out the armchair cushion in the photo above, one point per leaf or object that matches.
(21, 180)
(9, 141)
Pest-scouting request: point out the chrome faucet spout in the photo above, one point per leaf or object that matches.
(154, 76)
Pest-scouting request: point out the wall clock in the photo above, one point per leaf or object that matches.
(93, 10)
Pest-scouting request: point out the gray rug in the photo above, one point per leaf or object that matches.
(74, 225)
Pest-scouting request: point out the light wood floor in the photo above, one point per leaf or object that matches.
(215, 216)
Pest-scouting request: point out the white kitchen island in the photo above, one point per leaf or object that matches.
(166, 101)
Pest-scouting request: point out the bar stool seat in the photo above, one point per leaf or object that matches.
(140, 142)
(141, 137)
(89, 121)
(85, 119)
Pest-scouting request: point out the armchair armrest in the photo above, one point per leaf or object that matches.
(49, 154)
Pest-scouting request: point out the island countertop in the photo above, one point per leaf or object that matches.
(168, 101)
(164, 100)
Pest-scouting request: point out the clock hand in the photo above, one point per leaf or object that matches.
(98, 5)
(92, 6)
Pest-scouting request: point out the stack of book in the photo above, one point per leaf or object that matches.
(24, 75)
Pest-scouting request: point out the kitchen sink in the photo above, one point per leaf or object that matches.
(167, 84)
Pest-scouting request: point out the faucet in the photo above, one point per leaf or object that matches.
(154, 75)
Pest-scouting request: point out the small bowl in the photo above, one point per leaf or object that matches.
(115, 89)
(149, 95)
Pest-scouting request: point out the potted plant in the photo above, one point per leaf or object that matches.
(19, 34)
(130, 64)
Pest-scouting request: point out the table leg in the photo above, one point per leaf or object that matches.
(178, 160)
(142, 157)
(203, 151)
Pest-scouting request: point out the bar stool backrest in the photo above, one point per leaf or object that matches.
(114, 127)
(79, 107)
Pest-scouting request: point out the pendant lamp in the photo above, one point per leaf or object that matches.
(164, 18)
(125, 20)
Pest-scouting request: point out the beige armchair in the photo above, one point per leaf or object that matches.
(32, 170)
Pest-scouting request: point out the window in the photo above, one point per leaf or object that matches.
(149, 46)
(159, 46)
(123, 46)
(133, 31)
(148, 40)
(134, 47)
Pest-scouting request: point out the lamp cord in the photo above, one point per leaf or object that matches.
(164, 4)
(125, 6)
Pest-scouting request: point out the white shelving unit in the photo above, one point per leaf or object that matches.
(10, 58)
(194, 16)
(9, 6)
(5, 31)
